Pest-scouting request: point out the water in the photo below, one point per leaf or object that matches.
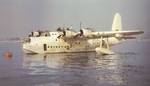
(129, 67)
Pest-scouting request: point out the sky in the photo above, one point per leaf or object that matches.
(19, 17)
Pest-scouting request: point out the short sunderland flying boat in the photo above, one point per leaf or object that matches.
(86, 40)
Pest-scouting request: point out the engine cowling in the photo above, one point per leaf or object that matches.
(34, 34)
(69, 33)
(85, 32)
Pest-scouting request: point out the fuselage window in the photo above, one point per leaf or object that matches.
(67, 47)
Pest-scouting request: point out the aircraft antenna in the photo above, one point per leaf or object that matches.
(80, 25)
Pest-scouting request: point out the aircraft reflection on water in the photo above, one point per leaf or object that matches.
(87, 67)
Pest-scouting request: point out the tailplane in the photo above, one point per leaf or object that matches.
(117, 24)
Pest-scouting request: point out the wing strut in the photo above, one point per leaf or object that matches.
(104, 43)
(104, 47)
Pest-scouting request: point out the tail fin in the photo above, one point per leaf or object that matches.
(117, 25)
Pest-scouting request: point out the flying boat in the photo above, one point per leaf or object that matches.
(66, 40)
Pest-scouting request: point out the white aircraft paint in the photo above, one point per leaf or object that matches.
(83, 41)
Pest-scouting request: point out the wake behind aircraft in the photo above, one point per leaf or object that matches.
(86, 40)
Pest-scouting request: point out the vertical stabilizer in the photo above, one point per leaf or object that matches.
(117, 25)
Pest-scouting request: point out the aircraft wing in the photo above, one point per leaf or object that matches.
(106, 34)
(127, 33)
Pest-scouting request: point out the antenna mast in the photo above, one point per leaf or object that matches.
(80, 25)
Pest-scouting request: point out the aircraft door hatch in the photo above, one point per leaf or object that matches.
(45, 47)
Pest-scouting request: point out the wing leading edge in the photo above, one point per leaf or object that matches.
(94, 35)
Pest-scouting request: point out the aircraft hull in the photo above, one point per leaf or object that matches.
(56, 45)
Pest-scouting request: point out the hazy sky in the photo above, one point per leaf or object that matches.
(19, 17)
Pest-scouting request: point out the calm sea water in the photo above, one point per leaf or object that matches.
(129, 67)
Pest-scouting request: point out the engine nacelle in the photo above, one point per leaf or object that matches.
(86, 32)
(69, 33)
(34, 34)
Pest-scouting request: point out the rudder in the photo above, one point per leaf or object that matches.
(117, 24)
